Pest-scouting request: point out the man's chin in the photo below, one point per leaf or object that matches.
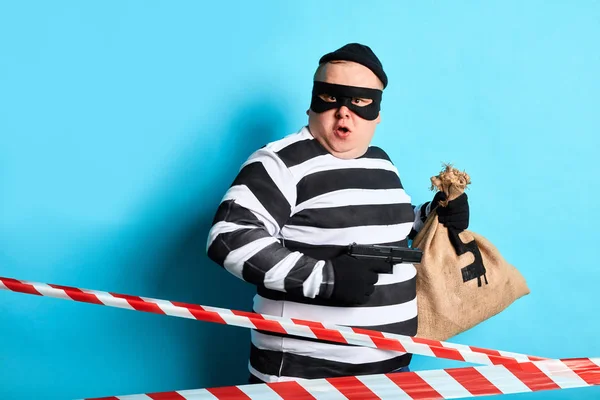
(345, 152)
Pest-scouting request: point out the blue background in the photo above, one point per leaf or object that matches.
(122, 123)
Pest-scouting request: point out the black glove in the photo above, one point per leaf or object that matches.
(455, 214)
(354, 280)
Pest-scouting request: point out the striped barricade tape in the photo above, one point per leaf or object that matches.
(294, 327)
(453, 383)
(517, 373)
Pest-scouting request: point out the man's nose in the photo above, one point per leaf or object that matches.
(343, 112)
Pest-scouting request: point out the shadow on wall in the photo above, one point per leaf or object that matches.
(174, 249)
(157, 251)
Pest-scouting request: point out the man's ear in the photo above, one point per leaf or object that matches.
(307, 111)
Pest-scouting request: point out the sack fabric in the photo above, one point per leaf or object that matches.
(462, 279)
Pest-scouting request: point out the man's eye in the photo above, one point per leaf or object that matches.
(361, 102)
(327, 98)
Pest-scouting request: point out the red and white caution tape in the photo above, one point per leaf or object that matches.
(451, 383)
(517, 373)
(295, 327)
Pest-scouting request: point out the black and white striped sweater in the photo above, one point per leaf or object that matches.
(291, 208)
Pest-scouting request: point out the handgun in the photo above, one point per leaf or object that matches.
(390, 254)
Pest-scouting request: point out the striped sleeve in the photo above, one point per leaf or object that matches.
(244, 237)
(421, 211)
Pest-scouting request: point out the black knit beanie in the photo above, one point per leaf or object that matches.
(361, 54)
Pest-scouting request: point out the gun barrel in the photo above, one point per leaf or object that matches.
(392, 254)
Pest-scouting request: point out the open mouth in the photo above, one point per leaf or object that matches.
(342, 131)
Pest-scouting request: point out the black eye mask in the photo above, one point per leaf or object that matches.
(343, 97)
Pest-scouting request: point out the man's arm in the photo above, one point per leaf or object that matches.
(244, 235)
(421, 213)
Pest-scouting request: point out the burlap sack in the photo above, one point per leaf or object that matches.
(457, 288)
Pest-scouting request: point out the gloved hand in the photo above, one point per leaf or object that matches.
(354, 279)
(455, 214)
